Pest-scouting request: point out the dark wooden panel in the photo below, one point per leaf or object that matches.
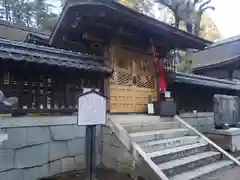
(41, 91)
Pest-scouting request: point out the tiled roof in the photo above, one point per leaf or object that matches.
(218, 54)
(204, 81)
(111, 9)
(20, 51)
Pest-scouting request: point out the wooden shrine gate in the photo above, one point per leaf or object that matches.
(134, 79)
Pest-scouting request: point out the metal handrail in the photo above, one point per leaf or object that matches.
(154, 167)
(208, 140)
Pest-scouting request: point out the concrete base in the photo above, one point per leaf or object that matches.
(227, 139)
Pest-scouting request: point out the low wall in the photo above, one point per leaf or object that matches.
(203, 122)
(45, 146)
(42, 147)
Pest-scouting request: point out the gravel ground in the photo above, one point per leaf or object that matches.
(102, 174)
(106, 174)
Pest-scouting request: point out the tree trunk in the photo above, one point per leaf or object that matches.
(197, 27)
(177, 22)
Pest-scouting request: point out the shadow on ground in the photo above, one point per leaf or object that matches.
(101, 174)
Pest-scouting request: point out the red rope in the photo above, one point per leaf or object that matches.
(160, 69)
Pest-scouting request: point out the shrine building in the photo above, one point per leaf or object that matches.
(123, 37)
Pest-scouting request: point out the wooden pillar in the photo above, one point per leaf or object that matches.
(230, 74)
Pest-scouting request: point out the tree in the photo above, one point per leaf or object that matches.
(174, 6)
(30, 13)
(199, 13)
(44, 19)
(48, 21)
(185, 65)
(208, 28)
(189, 11)
(143, 6)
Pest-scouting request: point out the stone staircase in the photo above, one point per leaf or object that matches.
(166, 149)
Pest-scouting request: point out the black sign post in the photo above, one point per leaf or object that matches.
(91, 112)
(90, 152)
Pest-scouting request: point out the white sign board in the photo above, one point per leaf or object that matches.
(167, 94)
(150, 109)
(91, 109)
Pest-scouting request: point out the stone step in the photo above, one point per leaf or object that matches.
(152, 146)
(138, 119)
(140, 127)
(158, 135)
(188, 163)
(203, 172)
(179, 152)
(3, 137)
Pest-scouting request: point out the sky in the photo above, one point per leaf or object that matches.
(226, 17)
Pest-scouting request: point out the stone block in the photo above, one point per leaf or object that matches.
(110, 151)
(110, 163)
(227, 139)
(111, 139)
(36, 172)
(117, 154)
(235, 146)
(6, 159)
(107, 130)
(80, 162)
(55, 167)
(15, 174)
(68, 164)
(58, 149)
(76, 147)
(98, 130)
(17, 138)
(98, 159)
(38, 135)
(1, 146)
(67, 132)
(32, 156)
(98, 144)
(124, 168)
(202, 122)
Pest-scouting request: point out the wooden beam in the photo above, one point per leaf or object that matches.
(74, 45)
(92, 37)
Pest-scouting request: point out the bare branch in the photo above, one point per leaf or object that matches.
(204, 4)
(208, 7)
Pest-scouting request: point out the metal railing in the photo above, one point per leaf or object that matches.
(208, 140)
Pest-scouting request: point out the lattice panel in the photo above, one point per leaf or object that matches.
(122, 78)
(145, 82)
(113, 79)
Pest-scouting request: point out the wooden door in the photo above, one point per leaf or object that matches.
(132, 82)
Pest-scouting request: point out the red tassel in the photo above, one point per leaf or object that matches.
(162, 82)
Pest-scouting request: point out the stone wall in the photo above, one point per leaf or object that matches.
(114, 154)
(41, 147)
(201, 121)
